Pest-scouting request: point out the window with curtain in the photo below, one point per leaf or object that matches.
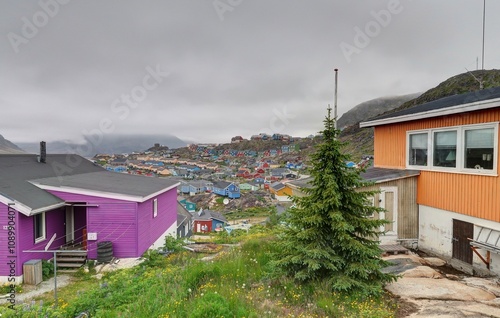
(479, 148)
(445, 148)
(418, 150)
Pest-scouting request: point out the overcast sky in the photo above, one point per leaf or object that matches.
(207, 70)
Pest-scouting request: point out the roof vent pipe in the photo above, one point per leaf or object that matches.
(43, 152)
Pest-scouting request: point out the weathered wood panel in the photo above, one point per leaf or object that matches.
(407, 218)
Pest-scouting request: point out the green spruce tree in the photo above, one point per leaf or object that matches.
(329, 235)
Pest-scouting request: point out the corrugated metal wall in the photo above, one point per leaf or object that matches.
(473, 195)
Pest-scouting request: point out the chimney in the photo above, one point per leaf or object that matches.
(43, 152)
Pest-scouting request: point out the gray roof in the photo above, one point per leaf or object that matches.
(16, 170)
(378, 175)
(302, 183)
(372, 174)
(221, 184)
(18, 173)
(277, 186)
(279, 171)
(111, 182)
(182, 215)
(446, 102)
(208, 215)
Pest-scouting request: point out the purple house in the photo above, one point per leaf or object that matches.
(81, 204)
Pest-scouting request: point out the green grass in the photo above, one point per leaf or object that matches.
(237, 283)
(250, 212)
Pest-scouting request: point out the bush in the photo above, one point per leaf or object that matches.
(153, 258)
(47, 269)
(173, 244)
(211, 305)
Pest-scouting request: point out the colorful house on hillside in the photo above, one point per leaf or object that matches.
(68, 201)
(281, 192)
(206, 221)
(184, 222)
(453, 143)
(190, 206)
(226, 189)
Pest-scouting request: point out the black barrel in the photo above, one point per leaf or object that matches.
(104, 251)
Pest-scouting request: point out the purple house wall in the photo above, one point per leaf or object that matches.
(4, 249)
(150, 228)
(129, 225)
(24, 229)
(134, 212)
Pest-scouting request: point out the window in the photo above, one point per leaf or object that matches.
(479, 148)
(465, 149)
(155, 208)
(445, 148)
(418, 149)
(39, 227)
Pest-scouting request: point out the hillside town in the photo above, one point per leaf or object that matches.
(230, 158)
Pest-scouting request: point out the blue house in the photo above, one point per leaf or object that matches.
(226, 189)
(154, 163)
(116, 168)
(190, 206)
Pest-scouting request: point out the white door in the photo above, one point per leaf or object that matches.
(70, 224)
(389, 202)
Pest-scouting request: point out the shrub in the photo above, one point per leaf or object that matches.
(173, 244)
(211, 305)
(47, 269)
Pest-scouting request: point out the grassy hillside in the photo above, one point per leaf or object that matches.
(235, 283)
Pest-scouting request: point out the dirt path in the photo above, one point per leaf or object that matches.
(31, 291)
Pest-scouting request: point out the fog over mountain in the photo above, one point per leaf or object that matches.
(107, 144)
(7, 147)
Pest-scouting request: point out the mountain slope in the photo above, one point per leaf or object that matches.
(7, 147)
(361, 140)
(109, 144)
(373, 108)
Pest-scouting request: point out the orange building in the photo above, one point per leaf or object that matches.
(454, 143)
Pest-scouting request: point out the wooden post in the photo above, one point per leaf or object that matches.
(84, 238)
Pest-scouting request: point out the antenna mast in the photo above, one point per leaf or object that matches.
(484, 15)
(335, 98)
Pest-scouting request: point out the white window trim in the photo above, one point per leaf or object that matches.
(44, 229)
(155, 207)
(460, 149)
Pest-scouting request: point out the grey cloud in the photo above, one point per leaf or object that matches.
(226, 77)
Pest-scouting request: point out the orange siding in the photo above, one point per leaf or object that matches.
(473, 195)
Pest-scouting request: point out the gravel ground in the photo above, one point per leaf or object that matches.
(31, 291)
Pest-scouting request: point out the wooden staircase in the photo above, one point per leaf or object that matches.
(70, 261)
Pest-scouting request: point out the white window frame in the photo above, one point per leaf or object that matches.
(44, 228)
(417, 132)
(460, 154)
(155, 207)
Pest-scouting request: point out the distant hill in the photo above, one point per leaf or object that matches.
(361, 140)
(458, 84)
(110, 144)
(372, 108)
(7, 147)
